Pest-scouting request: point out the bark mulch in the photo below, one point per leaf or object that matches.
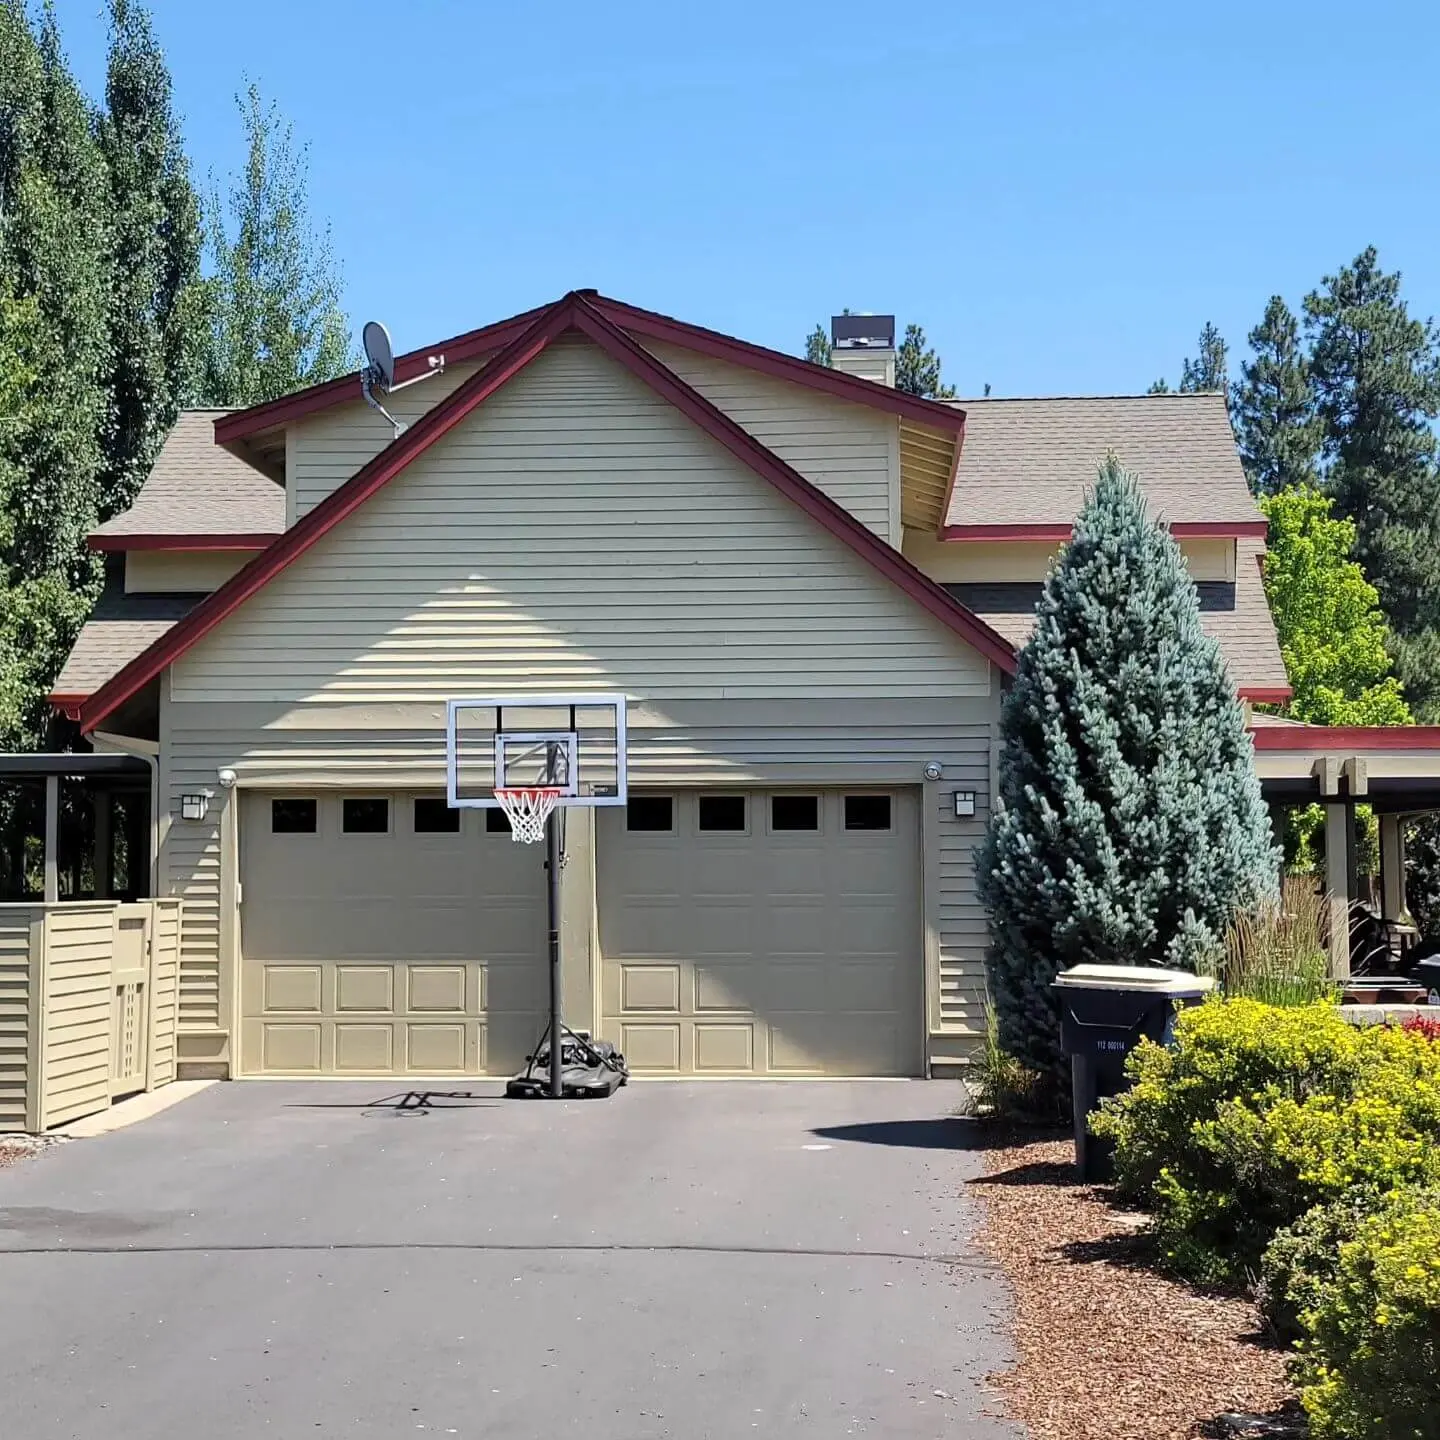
(1107, 1349)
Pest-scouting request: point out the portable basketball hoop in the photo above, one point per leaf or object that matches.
(528, 811)
(534, 757)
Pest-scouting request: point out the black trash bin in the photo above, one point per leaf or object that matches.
(1426, 972)
(1105, 1011)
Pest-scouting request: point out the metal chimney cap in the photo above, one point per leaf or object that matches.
(862, 332)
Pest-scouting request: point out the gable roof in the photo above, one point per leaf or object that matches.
(1235, 613)
(1026, 464)
(197, 492)
(233, 428)
(572, 312)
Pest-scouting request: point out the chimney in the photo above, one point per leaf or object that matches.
(864, 345)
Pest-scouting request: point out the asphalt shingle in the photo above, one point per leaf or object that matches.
(196, 488)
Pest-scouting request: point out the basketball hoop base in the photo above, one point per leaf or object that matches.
(589, 1070)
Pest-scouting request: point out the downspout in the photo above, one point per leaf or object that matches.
(149, 752)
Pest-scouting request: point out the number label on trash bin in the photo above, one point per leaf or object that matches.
(1121, 1045)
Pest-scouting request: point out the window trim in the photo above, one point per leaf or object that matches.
(668, 795)
(284, 799)
(457, 829)
(745, 799)
(389, 804)
(817, 796)
(887, 795)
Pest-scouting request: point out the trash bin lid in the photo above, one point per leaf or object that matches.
(1152, 979)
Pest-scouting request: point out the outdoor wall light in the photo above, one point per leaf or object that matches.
(193, 807)
(964, 803)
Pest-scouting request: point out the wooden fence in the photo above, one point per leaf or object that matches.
(87, 1007)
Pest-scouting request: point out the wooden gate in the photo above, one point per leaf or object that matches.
(130, 1000)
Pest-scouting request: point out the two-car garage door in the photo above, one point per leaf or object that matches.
(743, 932)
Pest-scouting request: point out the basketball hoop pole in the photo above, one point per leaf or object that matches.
(552, 896)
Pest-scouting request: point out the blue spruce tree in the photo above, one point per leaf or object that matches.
(1129, 826)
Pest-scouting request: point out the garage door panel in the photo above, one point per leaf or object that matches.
(365, 987)
(796, 952)
(653, 1048)
(725, 985)
(438, 988)
(387, 954)
(650, 987)
(724, 1049)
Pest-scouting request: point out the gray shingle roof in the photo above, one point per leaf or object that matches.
(196, 488)
(1028, 462)
(119, 628)
(1236, 615)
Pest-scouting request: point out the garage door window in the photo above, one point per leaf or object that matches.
(365, 815)
(434, 816)
(650, 813)
(794, 812)
(867, 812)
(497, 822)
(722, 813)
(294, 817)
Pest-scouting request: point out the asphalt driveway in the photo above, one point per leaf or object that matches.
(686, 1260)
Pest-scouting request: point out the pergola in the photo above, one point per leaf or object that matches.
(1393, 769)
(104, 775)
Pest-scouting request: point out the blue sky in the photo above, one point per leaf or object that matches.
(1061, 193)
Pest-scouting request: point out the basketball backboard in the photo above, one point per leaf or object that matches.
(571, 743)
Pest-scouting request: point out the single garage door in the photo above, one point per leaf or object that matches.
(763, 933)
(386, 934)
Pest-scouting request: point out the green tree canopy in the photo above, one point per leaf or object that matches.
(1272, 408)
(1375, 374)
(917, 368)
(1207, 370)
(1332, 634)
(275, 319)
(156, 304)
(817, 346)
(1129, 825)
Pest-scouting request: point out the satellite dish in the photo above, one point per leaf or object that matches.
(379, 355)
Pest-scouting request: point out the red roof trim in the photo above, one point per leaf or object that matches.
(1044, 530)
(1265, 694)
(776, 363)
(241, 423)
(255, 541)
(457, 351)
(1347, 737)
(67, 704)
(572, 312)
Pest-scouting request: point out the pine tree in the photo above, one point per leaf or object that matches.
(1207, 370)
(1129, 825)
(917, 368)
(157, 319)
(1273, 409)
(1375, 373)
(817, 346)
(276, 322)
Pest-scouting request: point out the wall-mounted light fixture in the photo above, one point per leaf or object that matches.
(964, 803)
(193, 807)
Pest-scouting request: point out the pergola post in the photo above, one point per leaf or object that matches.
(104, 846)
(1338, 841)
(1392, 866)
(52, 839)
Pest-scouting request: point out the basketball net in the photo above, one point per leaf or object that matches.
(527, 811)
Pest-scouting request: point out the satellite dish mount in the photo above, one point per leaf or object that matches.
(378, 372)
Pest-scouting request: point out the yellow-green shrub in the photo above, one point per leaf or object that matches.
(1367, 1367)
(1260, 1113)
